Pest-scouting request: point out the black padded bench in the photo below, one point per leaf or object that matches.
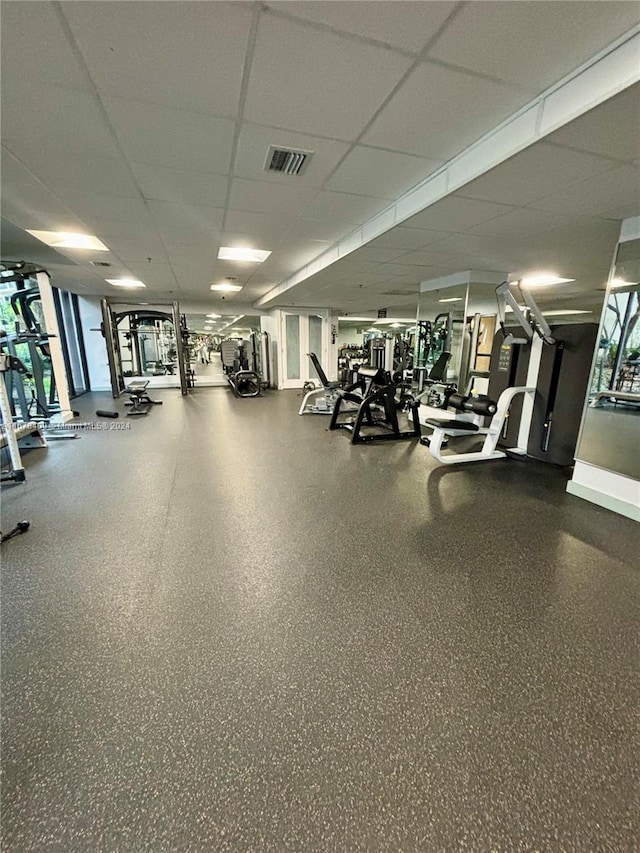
(139, 399)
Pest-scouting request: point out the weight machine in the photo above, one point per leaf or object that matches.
(244, 361)
(534, 332)
(377, 408)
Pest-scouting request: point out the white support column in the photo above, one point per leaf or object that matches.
(55, 346)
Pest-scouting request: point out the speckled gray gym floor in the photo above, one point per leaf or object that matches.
(228, 629)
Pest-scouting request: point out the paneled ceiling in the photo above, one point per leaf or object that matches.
(148, 123)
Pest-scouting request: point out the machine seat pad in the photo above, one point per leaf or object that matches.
(137, 387)
(350, 396)
(445, 424)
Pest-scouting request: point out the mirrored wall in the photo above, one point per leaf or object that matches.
(148, 346)
(439, 337)
(386, 342)
(610, 435)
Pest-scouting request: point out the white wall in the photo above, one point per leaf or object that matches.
(94, 344)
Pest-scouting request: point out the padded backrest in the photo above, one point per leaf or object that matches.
(439, 369)
(322, 376)
(376, 375)
(228, 352)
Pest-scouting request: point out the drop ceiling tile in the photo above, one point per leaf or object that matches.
(617, 189)
(101, 175)
(522, 220)
(253, 145)
(612, 129)
(455, 214)
(69, 120)
(343, 207)
(88, 205)
(186, 186)
(402, 24)
(424, 257)
(138, 229)
(14, 173)
(137, 251)
(163, 136)
(322, 230)
(385, 173)
(154, 274)
(266, 197)
(188, 55)
(324, 67)
(404, 238)
(413, 268)
(375, 254)
(259, 230)
(533, 44)
(437, 112)
(35, 48)
(27, 199)
(534, 173)
(182, 222)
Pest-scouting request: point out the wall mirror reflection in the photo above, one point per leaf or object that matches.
(148, 346)
(439, 337)
(610, 436)
(386, 342)
(206, 334)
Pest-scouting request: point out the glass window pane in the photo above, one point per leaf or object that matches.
(315, 337)
(293, 346)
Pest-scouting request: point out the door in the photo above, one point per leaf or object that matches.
(300, 334)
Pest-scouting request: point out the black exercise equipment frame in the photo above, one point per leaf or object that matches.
(377, 390)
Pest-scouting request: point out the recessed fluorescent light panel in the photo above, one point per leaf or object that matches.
(225, 287)
(126, 282)
(542, 279)
(66, 240)
(451, 299)
(213, 316)
(256, 256)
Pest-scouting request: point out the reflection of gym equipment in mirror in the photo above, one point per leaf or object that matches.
(143, 343)
(246, 364)
(610, 432)
(147, 343)
(35, 393)
(618, 358)
(14, 432)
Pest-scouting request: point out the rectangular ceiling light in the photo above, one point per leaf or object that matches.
(542, 279)
(66, 240)
(560, 312)
(256, 256)
(451, 299)
(225, 287)
(126, 282)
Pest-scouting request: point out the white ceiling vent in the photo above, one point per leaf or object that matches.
(287, 161)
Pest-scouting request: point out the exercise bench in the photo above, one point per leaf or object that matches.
(139, 400)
